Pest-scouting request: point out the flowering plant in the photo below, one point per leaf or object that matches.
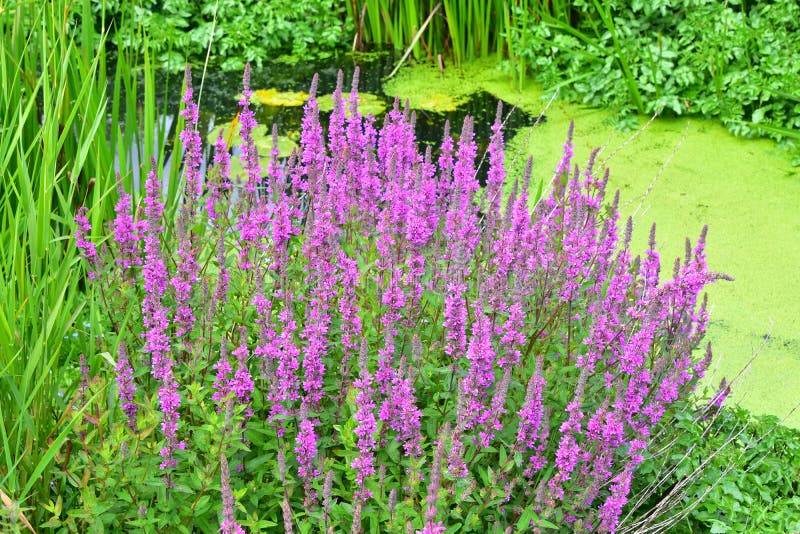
(355, 339)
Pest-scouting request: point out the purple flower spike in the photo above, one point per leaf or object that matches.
(306, 452)
(126, 232)
(192, 145)
(366, 427)
(126, 386)
(221, 181)
(156, 322)
(88, 248)
(248, 123)
(228, 524)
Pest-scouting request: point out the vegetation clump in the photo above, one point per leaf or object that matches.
(233, 31)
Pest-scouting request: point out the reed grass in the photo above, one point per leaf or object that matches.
(57, 152)
(467, 30)
(52, 109)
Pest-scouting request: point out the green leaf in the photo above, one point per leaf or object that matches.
(731, 489)
(717, 527)
(53, 522)
(202, 505)
(393, 450)
(528, 517)
(523, 524)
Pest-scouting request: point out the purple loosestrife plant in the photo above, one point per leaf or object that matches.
(367, 426)
(545, 353)
(432, 526)
(186, 272)
(254, 212)
(306, 451)
(399, 410)
(219, 181)
(192, 145)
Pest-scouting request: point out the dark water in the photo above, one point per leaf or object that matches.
(220, 88)
(218, 102)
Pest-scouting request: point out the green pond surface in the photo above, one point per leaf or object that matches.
(682, 174)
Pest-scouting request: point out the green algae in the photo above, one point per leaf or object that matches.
(682, 174)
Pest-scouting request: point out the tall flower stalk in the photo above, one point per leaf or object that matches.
(155, 319)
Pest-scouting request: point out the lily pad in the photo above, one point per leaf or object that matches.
(264, 145)
(237, 172)
(368, 104)
(273, 97)
(262, 137)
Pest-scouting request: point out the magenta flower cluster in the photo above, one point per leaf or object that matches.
(387, 313)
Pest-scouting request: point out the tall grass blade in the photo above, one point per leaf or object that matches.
(54, 156)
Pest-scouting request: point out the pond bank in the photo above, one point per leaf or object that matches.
(745, 190)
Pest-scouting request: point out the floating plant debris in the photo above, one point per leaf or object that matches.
(264, 145)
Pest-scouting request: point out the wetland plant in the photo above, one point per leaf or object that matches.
(366, 340)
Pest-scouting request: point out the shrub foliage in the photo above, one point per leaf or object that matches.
(719, 59)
